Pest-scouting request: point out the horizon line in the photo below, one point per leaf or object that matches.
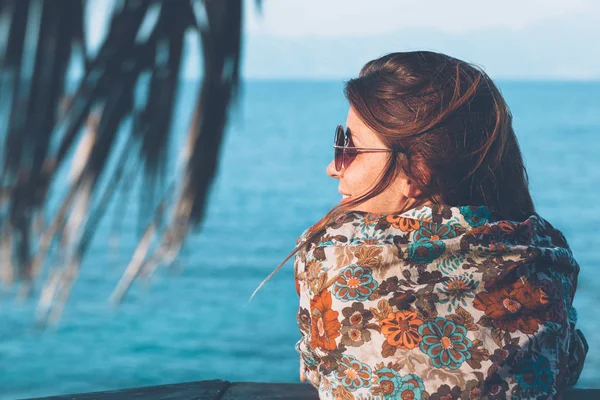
(343, 79)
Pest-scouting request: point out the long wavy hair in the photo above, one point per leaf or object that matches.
(451, 132)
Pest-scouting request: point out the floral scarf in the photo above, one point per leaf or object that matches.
(438, 302)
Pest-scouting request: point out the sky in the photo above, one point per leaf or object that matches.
(332, 39)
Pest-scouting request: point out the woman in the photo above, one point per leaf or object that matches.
(434, 277)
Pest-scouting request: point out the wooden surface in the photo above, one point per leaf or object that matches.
(201, 390)
(264, 391)
(204, 390)
(224, 390)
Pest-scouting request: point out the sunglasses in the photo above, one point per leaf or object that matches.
(344, 151)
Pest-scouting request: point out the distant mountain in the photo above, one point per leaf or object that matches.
(557, 50)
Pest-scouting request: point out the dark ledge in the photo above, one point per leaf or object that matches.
(224, 390)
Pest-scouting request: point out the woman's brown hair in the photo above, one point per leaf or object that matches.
(451, 131)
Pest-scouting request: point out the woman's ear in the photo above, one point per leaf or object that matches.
(411, 190)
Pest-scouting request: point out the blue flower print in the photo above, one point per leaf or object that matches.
(445, 342)
(428, 241)
(534, 375)
(353, 374)
(457, 290)
(354, 283)
(411, 383)
(389, 382)
(475, 215)
(393, 386)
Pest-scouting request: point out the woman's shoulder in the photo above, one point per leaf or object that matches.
(361, 228)
(460, 294)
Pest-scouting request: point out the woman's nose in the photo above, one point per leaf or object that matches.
(331, 171)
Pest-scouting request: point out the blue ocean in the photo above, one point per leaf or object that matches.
(194, 321)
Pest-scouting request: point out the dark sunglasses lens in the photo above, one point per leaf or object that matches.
(338, 153)
(349, 156)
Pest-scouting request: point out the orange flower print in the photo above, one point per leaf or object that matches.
(325, 325)
(401, 329)
(513, 307)
(402, 223)
(372, 219)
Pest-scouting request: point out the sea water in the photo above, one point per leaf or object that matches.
(194, 322)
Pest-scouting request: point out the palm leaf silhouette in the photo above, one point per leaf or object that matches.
(46, 126)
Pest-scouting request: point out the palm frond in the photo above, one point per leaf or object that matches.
(47, 127)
